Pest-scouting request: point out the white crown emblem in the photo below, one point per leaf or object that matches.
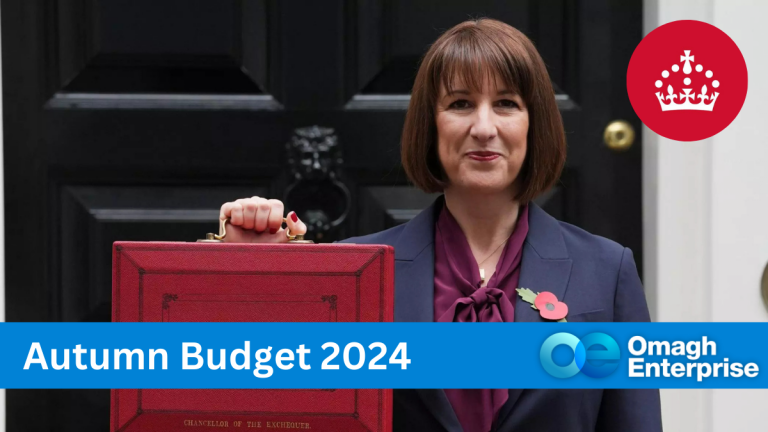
(685, 100)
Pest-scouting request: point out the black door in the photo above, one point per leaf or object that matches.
(136, 119)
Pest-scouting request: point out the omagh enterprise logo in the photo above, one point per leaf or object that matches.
(597, 355)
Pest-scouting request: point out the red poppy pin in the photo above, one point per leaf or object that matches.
(546, 303)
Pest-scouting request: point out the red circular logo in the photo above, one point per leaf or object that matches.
(687, 80)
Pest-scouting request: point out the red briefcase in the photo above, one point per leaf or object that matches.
(220, 282)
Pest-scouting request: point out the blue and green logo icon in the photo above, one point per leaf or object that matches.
(596, 355)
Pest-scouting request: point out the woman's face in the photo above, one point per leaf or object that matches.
(481, 137)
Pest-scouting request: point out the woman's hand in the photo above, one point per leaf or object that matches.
(258, 220)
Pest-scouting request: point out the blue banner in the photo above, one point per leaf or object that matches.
(383, 355)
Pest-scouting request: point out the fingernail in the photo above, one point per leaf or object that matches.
(272, 230)
(294, 217)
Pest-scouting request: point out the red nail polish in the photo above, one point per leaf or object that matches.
(272, 230)
(294, 217)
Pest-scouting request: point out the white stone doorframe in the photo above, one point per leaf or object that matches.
(704, 211)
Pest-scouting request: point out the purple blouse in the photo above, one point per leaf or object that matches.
(459, 298)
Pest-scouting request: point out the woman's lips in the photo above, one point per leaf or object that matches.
(483, 155)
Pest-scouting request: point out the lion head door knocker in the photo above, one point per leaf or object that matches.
(317, 193)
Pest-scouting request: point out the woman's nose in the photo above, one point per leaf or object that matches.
(483, 128)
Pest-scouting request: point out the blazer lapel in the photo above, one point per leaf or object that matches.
(415, 291)
(546, 266)
(415, 267)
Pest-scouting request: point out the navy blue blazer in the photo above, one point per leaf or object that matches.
(595, 276)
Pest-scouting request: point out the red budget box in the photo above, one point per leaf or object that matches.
(220, 282)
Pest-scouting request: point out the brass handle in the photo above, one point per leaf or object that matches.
(619, 135)
(219, 238)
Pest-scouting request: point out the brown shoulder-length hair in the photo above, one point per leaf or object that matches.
(473, 51)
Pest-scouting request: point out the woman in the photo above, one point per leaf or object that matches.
(483, 128)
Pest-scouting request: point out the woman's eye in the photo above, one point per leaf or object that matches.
(507, 103)
(459, 104)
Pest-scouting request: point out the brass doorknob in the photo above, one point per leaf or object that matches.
(619, 135)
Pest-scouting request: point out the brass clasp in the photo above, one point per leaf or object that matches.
(219, 238)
